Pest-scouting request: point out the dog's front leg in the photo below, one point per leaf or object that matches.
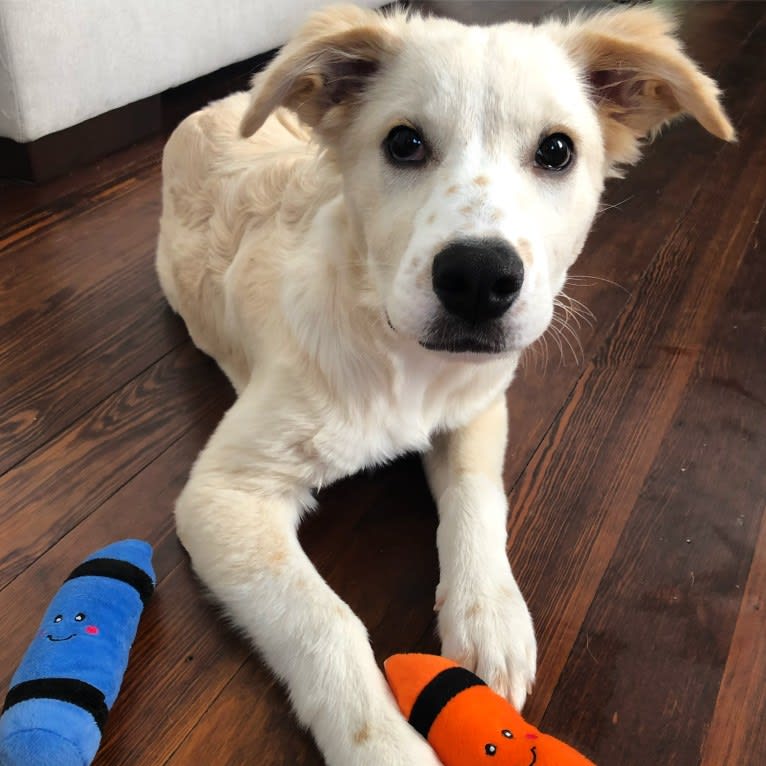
(237, 518)
(484, 622)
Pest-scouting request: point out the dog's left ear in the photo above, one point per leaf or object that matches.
(640, 78)
(323, 71)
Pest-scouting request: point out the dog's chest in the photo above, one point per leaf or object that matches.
(424, 398)
(377, 438)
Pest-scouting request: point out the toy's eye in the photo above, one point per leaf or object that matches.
(507, 734)
(490, 749)
(79, 617)
(58, 618)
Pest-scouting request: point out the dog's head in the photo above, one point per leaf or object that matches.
(473, 158)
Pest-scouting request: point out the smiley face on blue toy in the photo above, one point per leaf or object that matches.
(62, 623)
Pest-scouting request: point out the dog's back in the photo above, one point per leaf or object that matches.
(217, 187)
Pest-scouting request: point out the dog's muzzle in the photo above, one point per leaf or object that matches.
(476, 282)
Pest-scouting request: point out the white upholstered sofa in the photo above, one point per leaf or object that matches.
(65, 61)
(80, 79)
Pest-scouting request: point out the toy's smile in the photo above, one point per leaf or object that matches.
(534, 756)
(51, 638)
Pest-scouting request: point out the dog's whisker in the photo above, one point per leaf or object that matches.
(558, 339)
(528, 352)
(579, 358)
(571, 313)
(575, 303)
(565, 333)
(579, 312)
(544, 340)
(584, 280)
(544, 352)
(556, 335)
(539, 351)
(568, 316)
(604, 206)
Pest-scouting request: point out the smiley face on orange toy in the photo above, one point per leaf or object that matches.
(465, 722)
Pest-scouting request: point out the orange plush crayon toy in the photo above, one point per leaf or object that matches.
(464, 721)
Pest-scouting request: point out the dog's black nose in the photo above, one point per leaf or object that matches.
(477, 279)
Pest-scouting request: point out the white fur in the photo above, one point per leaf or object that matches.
(303, 266)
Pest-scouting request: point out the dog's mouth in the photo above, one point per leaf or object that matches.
(57, 640)
(458, 337)
(463, 345)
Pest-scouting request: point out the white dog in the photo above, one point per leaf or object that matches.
(366, 243)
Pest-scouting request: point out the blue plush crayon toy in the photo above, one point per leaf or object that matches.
(68, 680)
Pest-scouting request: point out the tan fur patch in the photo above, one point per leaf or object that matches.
(276, 558)
(473, 610)
(362, 734)
(452, 189)
(524, 249)
(481, 180)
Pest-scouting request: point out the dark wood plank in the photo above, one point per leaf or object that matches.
(737, 734)
(252, 702)
(45, 496)
(22, 205)
(31, 211)
(650, 654)
(82, 315)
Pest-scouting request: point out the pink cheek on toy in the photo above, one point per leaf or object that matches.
(531, 736)
(91, 630)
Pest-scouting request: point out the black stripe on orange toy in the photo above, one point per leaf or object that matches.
(465, 722)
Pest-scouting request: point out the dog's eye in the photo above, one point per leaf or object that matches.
(404, 145)
(555, 152)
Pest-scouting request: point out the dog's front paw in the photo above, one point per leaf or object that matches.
(489, 631)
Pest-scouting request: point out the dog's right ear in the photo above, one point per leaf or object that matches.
(640, 78)
(323, 71)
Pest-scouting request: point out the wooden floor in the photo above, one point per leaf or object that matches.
(635, 471)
